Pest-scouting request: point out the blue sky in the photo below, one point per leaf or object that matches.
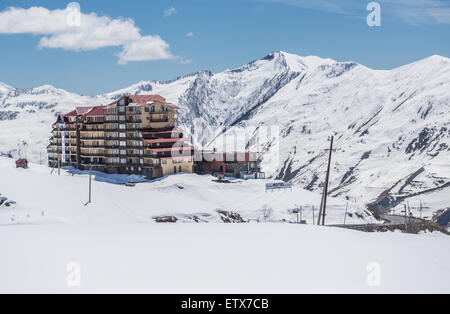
(166, 39)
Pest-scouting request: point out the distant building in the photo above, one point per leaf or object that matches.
(233, 164)
(133, 135)
(22, 163)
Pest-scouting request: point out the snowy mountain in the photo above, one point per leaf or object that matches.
(391, 128)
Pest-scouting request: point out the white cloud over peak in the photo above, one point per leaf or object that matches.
(170, 11)
(70, 29)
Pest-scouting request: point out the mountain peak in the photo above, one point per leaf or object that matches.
(298, 63)
(5, 87)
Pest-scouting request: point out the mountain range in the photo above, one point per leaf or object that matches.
(391, 128)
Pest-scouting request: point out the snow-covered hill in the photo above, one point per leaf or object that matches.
(391, 128)
(38, 197)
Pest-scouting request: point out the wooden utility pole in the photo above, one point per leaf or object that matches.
(314, 218)
(421, 210)
(323, 205)
(406, 219)
(346, 211)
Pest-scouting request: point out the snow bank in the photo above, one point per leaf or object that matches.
(221, 258)
(42, 197)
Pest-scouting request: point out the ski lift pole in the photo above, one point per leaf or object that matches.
(346, 211)
(90, 183)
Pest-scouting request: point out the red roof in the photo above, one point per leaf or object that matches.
(144, 99)
(71, 114)
(172, 106)
(91, 111)
(21, 161)
(162, 131)
(166, 140)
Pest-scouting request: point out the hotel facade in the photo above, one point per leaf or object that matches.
(136, 134)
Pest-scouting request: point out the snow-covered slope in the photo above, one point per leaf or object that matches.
(27, 115)
(39, 197)
(391, 128)
(219, 258)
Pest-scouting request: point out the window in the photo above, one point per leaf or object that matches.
(153, 109)
(123, 135)
(123, 152)
(123, 143)
(164, 162)
(122, 126)
(122, 118)
(122, 102)
(121, 109)
(123, 160)
(146, 109)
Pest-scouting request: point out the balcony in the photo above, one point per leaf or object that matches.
(93, 146)
(91, 154)
(90, 138)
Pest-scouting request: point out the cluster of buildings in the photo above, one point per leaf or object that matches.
(136, 134)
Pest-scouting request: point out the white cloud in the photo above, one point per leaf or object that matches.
(148, 48)
(190, 34)
(186, 61)
(170, 11)
(71, 29)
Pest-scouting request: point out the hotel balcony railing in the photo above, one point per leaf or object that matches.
(138, 155)
(86, 138)
(91, 154)
(117, 129)
(159, 112)
(93, 146)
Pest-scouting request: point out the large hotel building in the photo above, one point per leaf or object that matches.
(133, 135)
